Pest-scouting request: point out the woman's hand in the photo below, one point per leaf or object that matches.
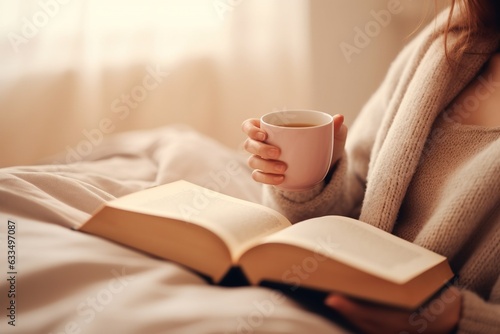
(441, 315)
(265, 161)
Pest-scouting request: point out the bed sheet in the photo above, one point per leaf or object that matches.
(65, 281)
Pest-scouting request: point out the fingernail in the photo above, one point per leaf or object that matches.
(279, 168)
(261, 136)
(332, 301)
(278, 178)
(273, 153)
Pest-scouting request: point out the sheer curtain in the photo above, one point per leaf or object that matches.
(73, 70)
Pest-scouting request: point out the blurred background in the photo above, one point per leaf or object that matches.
(74, 71)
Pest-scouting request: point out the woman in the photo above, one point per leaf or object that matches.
(422, 161)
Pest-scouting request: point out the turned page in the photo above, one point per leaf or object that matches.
(237, 222)
(361, 246)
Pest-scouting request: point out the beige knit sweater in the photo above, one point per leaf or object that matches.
(393, 159)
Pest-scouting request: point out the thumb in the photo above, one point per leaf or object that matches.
(340, 136)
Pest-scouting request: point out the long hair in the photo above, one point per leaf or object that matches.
(476, 18)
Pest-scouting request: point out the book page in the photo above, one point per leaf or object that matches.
(236, 221)
(360, 245)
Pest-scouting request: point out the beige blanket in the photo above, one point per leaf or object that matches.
(68, 282)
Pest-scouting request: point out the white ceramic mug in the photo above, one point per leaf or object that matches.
(305, 138)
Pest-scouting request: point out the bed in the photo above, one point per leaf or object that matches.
(65, 281)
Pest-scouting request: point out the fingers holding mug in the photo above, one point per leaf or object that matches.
(263, 150)
(305, 139)
(267, 166)
(251, 127)
(267, 171)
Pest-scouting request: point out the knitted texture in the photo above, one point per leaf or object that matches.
(392, 146)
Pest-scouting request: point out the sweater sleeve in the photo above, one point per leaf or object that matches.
(343, 191)
(325, 198)
(479, 316)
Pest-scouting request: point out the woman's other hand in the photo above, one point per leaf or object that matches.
(441, 315)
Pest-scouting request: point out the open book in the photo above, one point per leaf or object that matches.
(212, 233)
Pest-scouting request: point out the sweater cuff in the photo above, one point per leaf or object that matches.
(300, 196)
(478, 316)
(332, 180)
(318, 201)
